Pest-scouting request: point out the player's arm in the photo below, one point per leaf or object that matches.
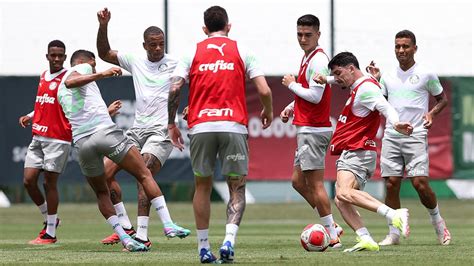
(26, 119)
(103, 46)
(265, 95)
(287, 112)
(76, 79)
(435, 89)
(173, 103)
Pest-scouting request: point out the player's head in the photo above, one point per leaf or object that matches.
(56, 55)
(405, 47)
(307, 29)
(215, 20)
(345, 69)
(83, 56)
(154, 43)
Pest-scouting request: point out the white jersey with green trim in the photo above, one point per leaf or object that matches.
(84, 107)
(152, 81)
(409, 92)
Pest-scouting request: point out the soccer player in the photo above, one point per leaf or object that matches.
(311, 117)
(151, 80)
(354, 141)
(51, 143)
(96, 136)
(217, 119)
(408, 88)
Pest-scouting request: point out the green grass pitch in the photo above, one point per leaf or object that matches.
(269, 234)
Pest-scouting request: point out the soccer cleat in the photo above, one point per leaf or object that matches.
(206, 256)
(147, 242)
(45, 239)
(227, 253)
(43, 231)
(172, 230)
(444, 237)
(368, 245)
(400, 221)
(335, 243)
(114, 238)
(339, 230)
(132, 245)
(390, 239)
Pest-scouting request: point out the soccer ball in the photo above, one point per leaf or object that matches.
(315, 238)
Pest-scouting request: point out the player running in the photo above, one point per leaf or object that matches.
(151, 80)
(354, 141)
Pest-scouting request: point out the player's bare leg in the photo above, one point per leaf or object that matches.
(202, 214)
(300, 185)
(428, 199)
(30, 181)
(392, 199)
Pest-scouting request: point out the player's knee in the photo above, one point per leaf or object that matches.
(28, 183)
(297, 185)
(343, 195)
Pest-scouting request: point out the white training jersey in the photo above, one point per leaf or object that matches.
(408, 92)
(84, 107)
(367, 98)
(151, 81)
(252, 70)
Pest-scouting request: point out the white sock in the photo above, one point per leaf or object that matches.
(386, 211)
(364, 234)
(159, 204)
(51, 225)
(44, 210)
(142, 227)
(328, 222)
(122, 215)
(230, 233)
(392, 229)
(203, 239)
(114, 222)
(435, 215)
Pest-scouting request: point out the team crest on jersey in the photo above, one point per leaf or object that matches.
(163, 67)
(53, 85)
(414, 79)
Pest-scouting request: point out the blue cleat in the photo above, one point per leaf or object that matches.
(227, 253)
(132, 245)
(206, 256)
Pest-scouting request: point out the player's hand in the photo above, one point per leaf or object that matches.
(267, 118)
(320, 78)
(114, 108)
(427, 121)
(104, 16)
(175, 136)
(286, 114)
(24, 121)
(373, 70)
(112, 72)
(403, 127)
(185, 113)
(287, 79)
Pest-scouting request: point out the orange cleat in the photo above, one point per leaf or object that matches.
(114, 238)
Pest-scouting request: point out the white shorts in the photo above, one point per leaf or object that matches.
(47, 155)
(154, 140)
(360, 162)
(311, 151)
(400, 154)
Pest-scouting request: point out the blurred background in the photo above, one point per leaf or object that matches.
(444, 31)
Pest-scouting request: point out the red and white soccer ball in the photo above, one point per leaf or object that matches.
(315, 238)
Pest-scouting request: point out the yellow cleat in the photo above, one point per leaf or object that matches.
(364, 245)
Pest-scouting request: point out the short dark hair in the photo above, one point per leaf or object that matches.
(343, 59)
(215, 18)
(308, 20)
(82, 54)
(406, 34)
(152, 30)
(56, 43)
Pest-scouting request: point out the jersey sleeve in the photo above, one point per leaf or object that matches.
(126, 61)
(252, 65)
(83, 69)
(369, 95)
(433, 85)
(383, 86)
(183, 67)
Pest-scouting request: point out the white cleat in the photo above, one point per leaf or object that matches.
(400, 221)
(444, 236)
(389, 240)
